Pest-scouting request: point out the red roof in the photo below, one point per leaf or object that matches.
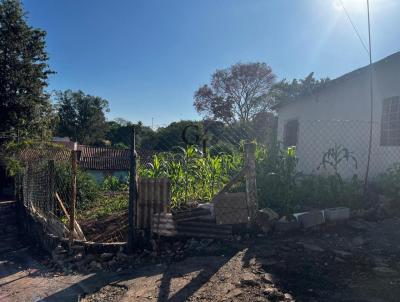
(91, 158)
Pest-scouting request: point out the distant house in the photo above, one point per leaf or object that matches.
(99, 162)
(339, 113)
(102, 162)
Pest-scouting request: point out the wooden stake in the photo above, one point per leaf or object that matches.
(251, 186)
(78, 230)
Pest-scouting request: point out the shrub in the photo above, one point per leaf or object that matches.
(389, 182)
(277, 178)
(283, 188)
(113, 183)
(316, 191)
(87, 188)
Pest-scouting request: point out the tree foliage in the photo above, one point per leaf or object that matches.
(81, 116)
(120, 134)
(24, 71)
(166, 138)
(286, 92)
(236, 94)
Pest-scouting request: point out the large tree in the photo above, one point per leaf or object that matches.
(120, 134)
(24, 106)
(81, 116)
(236, 94)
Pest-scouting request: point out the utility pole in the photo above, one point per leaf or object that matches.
(371, 91)
(132, 195)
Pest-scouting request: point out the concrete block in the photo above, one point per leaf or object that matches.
(337, 214)
(310, 219)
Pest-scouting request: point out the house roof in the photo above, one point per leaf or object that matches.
(346, 77)
(91, 158)
(99, 158)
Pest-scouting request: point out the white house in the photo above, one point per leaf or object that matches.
(339, 113)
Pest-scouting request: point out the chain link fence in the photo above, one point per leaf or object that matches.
(200, 161)
(316, 138)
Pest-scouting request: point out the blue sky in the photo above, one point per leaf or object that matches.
(148, 57)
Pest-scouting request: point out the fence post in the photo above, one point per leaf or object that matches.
(132, 195)
(51, 191)
(251, 186)
(74, 160)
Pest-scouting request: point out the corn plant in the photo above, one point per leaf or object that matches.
(336, 155)
(195, 177)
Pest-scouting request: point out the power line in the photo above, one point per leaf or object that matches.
(354, 27)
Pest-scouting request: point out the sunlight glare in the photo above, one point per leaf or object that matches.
(350, 5)
(360, 6)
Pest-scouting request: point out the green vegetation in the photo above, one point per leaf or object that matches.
(197, 178)
(87, 188)
(105, 204)
(194, 177)
(277, 178)
(389, 183)
(284, 189)
(81, 117)
(114, 184)
(25, 108)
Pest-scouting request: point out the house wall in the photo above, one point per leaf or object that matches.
(340, 114)
(99, 175)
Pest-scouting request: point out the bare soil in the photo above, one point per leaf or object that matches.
(358, 261)
(113, 228)
(354, 262)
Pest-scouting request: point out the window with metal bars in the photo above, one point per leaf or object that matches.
(390, 123)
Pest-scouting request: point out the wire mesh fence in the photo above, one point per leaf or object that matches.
(316, 138)
(200, 161)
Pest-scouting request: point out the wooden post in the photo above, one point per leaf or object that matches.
(52, 187)
(251, 186)
(74, 160)
(132, 196)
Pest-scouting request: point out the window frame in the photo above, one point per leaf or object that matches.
(390, 122)
(286, 129)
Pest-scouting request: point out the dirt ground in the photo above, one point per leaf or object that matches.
(112, 228)
(355, 262)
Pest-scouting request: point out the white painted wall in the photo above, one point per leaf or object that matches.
(340, 114)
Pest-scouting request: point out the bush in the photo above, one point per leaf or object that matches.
(113, 183)
(277, 178)
(87, 188)
(316, 191)
(284, 189)
(388, 183)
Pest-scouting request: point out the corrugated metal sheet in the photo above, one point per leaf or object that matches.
(164, 224)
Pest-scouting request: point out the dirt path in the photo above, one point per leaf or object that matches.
(24, 278)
